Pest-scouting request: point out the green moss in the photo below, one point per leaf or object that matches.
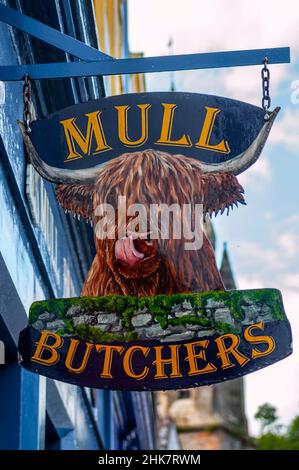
(190, 320)
(61, 331)
(127, 315)
(96, 335)
(68, 325)
(160, 306)
(225, 328)
(270, 297)
(36, 309)
(236, 308)
(197, 302)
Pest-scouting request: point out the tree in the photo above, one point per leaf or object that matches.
(267, 415)
(276, 437)
(294, 430)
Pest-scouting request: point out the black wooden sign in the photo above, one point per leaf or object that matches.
(208, 128)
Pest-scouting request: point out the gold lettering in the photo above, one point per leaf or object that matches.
(74, 343)
(74, 136)
(42, 346)
(127, 362)
(166, 131)
(206, 132)
(108, 356)
(123, 132)
(173, 360)
(259, 339)
(192, 357)
(225, 351)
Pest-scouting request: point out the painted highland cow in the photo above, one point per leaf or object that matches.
(145, 266)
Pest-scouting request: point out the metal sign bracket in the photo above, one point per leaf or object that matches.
(94, 62)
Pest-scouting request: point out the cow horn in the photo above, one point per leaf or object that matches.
(247, 158)
(53, 174)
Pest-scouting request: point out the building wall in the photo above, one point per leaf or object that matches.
(219, 439)
(112, 24)
(46, 253)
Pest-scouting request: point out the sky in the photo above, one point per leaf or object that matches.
(263, 237)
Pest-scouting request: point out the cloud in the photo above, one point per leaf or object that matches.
(254, 256)
(217, 25)
(286, 130)
(260, 171)
(244, 83)
(272, 262)
(292, 219)
(250, 281)
(214, 25)
(273, 256)
(291, 282)
(289, 244)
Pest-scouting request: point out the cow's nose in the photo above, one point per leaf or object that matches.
(126, 252)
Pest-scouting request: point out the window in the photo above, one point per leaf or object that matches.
(184, 394)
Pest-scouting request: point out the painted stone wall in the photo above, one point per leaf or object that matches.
(167, 318)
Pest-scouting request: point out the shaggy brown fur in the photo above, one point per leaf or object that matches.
(153, 177)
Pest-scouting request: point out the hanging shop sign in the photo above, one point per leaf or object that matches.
(146, 170)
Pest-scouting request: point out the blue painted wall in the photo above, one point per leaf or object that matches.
(38, 413)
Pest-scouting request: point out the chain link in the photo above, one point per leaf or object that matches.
(27, 103)
(266, 100)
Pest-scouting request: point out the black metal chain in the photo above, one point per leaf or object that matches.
(27, 103)
(266, 100)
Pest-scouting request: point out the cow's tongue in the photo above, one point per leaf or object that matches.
(125, 251)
